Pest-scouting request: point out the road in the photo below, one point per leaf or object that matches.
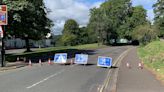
(59, 78)
(135, 79)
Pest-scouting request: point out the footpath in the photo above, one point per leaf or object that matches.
(131, 78)
(14, 65)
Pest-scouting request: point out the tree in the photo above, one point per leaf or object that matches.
(137, 16)
(70, 32)
(83, 36)
(145, 34)
(108, 18)
(159, 16)
(27, 20)
(98, 23)
(71, 25)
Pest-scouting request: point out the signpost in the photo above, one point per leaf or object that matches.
(60, 58)
(81, 59)
(3, 22)
(104, 61)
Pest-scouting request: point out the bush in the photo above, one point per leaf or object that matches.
(145, 34)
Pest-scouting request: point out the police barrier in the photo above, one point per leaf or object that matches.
(60, 58)
(104, 61)
(81, 59)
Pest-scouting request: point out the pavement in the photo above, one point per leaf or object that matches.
(134, 79)
(60, 78)
(14, 65)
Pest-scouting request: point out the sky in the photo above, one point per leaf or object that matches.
(62, 10)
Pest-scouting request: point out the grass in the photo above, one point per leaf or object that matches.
(45, 53)
(50, 49)
(152, 56)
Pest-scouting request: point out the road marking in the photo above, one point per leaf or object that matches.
(106, 81)
(45, 79)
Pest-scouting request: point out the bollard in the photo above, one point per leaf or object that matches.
(17, 58)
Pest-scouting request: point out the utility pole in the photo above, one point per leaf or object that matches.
(3, 40)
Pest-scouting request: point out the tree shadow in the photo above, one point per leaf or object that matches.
(44, 56)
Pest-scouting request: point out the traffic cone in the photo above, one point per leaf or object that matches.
(140, 66)
(128, 65)
(72, 62)
(30, 63)
(17, 58)
(40, 62)
(49, 61)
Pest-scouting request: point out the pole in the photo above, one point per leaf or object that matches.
(3, 48)
(3, 44)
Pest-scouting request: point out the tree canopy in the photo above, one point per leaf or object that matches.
(159, 16)
(116, 19)
(28, 17)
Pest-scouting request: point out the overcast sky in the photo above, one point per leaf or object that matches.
(79, 10)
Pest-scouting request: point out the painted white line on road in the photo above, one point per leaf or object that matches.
(45, 79)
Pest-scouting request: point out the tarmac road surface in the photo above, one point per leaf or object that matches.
(59, 78)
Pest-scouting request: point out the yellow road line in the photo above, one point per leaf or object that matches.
(106, 81)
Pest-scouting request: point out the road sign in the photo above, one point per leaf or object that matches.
(104, 61)
(81, 59)
(60, 58)
(3, 15)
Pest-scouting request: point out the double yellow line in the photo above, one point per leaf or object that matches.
(106, 81)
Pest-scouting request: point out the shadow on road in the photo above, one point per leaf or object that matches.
(44, 56)
(113, 67)
(89, 64)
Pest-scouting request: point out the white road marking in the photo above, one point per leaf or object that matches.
(45, 79)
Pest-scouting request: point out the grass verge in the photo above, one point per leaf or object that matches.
(45, 53)
(152, 55)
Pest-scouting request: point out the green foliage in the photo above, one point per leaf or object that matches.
(71, 26)
(70, 33)
(116, 19)
(145, 34)
(68, 39)
(73, 35)
(98, 23)
(82, 36)
(137, 16)
(152, 56)
(159, 16)
(27, 17)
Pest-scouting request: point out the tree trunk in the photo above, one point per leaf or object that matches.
(27, 44)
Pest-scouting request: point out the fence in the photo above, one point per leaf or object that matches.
(19, 43)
